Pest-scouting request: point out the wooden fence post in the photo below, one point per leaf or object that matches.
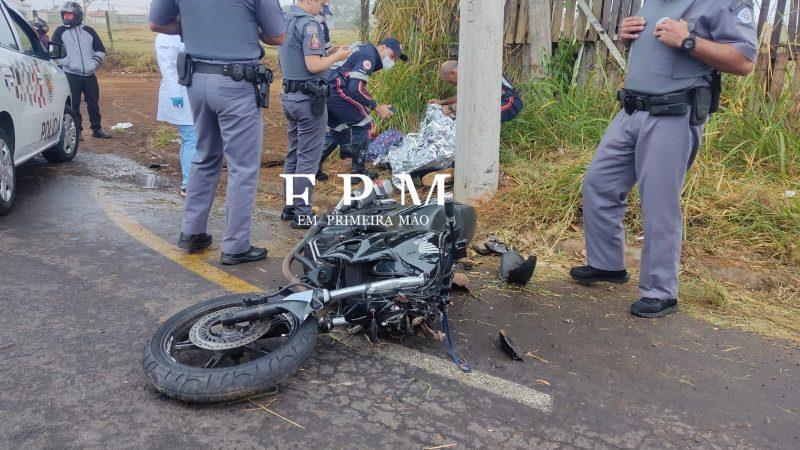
(539, 38)
(108, 27)
(762, 16)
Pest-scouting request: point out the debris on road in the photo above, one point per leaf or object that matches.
(508, 346)
(536, 357)
(150, 181)
(516, 270)
(266, 408)
(122, 126)
(495, 246)
(461, 281)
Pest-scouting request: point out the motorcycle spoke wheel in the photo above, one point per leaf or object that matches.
(234, 362)
(187, 353)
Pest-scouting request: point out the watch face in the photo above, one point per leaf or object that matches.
(689, 43)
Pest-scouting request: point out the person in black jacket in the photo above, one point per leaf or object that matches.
(85, 54)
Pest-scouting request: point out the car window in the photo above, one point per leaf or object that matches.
(27, 39)
(6, 36)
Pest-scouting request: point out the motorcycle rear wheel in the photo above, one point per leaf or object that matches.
(186, 372)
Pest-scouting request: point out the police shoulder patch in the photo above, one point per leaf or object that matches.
(314, 42)
(367, 64)
(738, 5)
(745, 15)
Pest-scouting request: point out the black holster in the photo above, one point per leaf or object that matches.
(716, 90)
(264, 79)
(319, 93)
(702, 100)
(185, 69)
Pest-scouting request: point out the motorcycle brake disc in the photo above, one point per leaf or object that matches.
(208, 333)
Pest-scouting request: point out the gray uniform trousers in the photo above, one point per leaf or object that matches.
(228, 123)
(306, 133)
(656, 152)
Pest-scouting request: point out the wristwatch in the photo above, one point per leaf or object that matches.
(688, 44)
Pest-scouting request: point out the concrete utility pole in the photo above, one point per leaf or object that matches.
(480, 66)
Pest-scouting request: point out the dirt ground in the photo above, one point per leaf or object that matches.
(133, 98)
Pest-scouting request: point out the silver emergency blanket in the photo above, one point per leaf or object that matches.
(433, 147)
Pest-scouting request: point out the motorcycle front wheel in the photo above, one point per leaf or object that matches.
(242, 362)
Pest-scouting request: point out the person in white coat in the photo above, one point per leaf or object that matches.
(173, 102)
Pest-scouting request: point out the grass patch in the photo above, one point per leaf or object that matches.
(165, 136)
(771, 313)
(735, 202)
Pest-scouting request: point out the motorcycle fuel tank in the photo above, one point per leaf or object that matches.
(393, 253)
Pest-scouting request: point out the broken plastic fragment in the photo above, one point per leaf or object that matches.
(508, 346)
(514, 269)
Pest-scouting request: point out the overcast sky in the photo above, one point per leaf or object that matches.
(124, 6)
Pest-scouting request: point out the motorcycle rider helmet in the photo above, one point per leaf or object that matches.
(39, 25)
(73, 13)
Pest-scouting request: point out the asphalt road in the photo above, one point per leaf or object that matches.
(87, 272)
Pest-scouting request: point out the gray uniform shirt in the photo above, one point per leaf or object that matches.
(655, 68)
(304, 37)
(221, 30)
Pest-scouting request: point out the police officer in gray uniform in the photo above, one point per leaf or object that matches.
(303, 61)
(221, 70)
(677, 49)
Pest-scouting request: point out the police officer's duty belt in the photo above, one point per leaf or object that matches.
(671, 104)
(313, 87)
(236, 71)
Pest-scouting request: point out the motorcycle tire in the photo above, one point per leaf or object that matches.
(222, 384)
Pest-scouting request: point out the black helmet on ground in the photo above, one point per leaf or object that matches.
(71, 14)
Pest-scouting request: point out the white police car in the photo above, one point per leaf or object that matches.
(35, 113)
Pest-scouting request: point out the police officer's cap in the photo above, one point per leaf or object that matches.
(396, 47)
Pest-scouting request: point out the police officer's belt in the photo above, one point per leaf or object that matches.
(314, 87)
(235, 71)
(673, 104)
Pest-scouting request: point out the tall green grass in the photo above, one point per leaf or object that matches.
(734, 198)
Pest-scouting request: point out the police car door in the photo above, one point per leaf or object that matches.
(33, 88)
(9, 101)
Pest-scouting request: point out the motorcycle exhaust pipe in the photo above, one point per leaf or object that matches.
(378, 287)
(323, 296)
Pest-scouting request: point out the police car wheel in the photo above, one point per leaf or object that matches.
(8, 175)
(190, 358)
(67, 146)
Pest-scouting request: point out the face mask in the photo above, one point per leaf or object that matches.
(388, 63)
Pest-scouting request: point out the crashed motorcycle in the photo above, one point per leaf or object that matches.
(373, 266)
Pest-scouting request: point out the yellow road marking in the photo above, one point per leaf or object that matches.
(194, 262)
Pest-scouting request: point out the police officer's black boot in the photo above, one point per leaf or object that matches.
(360, 161)
(587, 275)
(651, 308)
(329, 148)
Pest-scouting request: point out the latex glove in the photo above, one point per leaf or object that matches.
(384, 111)
(177, 102)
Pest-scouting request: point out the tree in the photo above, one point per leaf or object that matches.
(364, 20)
